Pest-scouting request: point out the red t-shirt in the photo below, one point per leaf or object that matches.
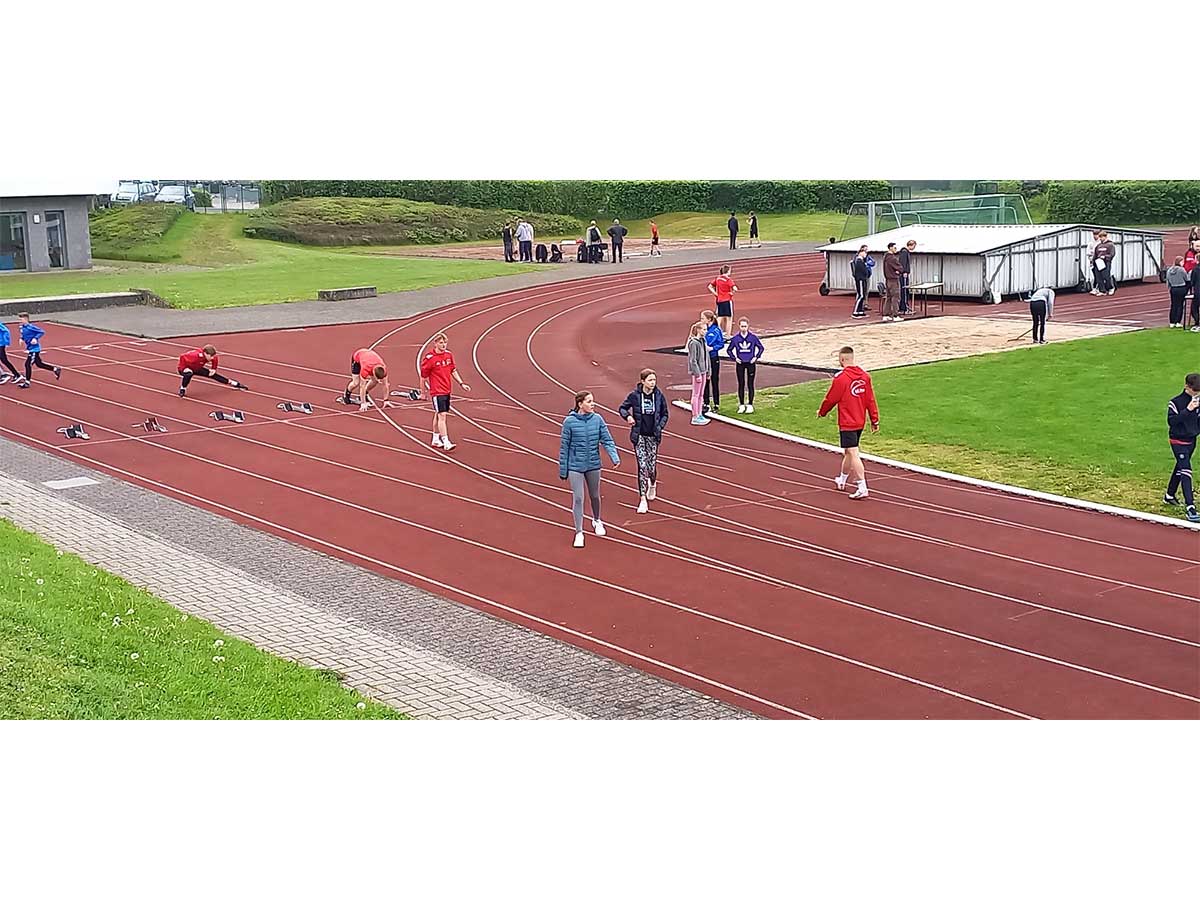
(196, 360)
(367, 361)
(1189, 261)
(653, 231)
(437, 367)
(852, 394)
(724, 286)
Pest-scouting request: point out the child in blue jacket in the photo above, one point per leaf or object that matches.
(715, 340)
(647, 411)
(31, 337)
(583, 432)
(745, 349)
(5, 340)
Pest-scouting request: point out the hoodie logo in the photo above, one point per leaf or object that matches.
(858, 387)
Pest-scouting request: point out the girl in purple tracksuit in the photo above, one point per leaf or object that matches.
(745, 349)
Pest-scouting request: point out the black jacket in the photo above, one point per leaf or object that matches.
(905, 260)
(617, 233)
(645, 423)
(860, 269)
(733, 225)
(1184, 424)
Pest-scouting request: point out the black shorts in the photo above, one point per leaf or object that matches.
(850, 438)
(654, 241)
(725, 309)
(355, 367)
(441, 403)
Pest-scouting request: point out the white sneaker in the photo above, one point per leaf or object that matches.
(840, 483)
(860, 494)
(741, 407)
(1094, 292)
(887, 318)
(749, 407)
(598, 527)
(437, 441)
(1112, 291)
(578, 539)
(643, 506)
(446, 445)
(652, 491)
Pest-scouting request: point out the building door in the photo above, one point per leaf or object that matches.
(56, 239)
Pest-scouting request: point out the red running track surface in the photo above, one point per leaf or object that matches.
(751, 579)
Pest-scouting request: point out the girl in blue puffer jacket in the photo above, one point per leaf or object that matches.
(583, 432)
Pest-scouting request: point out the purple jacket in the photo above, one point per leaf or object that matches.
(746, 349)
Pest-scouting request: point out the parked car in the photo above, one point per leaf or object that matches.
(134, 192)
(176, 193)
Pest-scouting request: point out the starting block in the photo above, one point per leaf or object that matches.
(235, 416)
(75, 431)
(407, 395)
(341, 398)
(288, 406)
(151, 424)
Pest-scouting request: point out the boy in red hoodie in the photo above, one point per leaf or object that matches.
(852, 394)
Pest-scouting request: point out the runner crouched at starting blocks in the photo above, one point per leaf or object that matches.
(367, 369)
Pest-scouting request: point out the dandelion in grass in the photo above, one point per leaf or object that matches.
(116, 621)
(133, 656)
(218, 659)
(218, 643)
(361, 705)
(129, 612)
(40, 582)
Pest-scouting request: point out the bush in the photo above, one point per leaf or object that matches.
(203, 197)
(1124, 202)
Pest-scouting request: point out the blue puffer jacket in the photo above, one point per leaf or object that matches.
(715, 340)
(5, 335)
(582, 435)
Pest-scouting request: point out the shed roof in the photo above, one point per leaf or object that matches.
(964, 239)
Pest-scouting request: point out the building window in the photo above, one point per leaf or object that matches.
(12, 241)
(56, 238)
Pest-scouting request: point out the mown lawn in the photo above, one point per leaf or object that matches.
(798, 226)
(1085, 419)
(79, 643)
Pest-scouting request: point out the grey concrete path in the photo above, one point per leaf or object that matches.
(150, 322)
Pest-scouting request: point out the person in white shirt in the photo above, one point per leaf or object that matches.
(1041, 307)
(525, 240)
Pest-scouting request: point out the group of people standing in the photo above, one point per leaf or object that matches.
(897, 269)
(1183, 276)
(707, 338)
(520, 233)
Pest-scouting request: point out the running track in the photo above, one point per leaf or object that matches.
(751, 579)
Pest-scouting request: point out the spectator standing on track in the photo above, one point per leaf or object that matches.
(852, 394)
(5, 340)
(745, 349)
(525, 240)
(698, 366)
(892, 269)
(437, 368)
(1106, 252)
(1177, 278)
(905, 255)
(595, 242)
(203, 362)
(733, 230)
(860, 268)
(714, 339)
(754, 242)
(31, 337)
(1183, 424)
(647, 411)
(506, 235)
(655, 250)
(1041, 307)
(1194, 311)
(583, 432)
(616, 234)
(723, 289)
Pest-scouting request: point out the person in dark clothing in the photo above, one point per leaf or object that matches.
(733, 230)
(647, 411)
(754, 230)
(555, 253)
(745, 349)
(1177, 283)
(905, 255)
(507, 236)
(617, 235)
(581, 251)
(1041, 307)
(714, 339)
(595, 243)
(891, 275)
(861, 267)
(1106, 252)
(1183, 426)
(1194, 312)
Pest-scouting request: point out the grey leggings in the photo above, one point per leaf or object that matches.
(577, 480)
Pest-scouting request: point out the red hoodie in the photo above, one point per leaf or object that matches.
(852, 394)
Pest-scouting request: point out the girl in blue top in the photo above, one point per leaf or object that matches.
(583, 432)
(745, 349)
(716, 343)
(5, 340)
(32, 336)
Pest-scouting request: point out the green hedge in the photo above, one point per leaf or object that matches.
(591, 199)
(1124, 202)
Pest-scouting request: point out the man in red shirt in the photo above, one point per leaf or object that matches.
(852, 394)
(367, 369)
(655, 250)
(436, 370)
(723, 288)
(203, 362)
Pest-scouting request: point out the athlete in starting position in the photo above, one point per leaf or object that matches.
(367, 369)
(203, 362)
(852, 394)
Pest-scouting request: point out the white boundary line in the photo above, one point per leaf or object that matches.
(952, 476)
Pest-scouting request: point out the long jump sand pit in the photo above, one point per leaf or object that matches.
(882, 345)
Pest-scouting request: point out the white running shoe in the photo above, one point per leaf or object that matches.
(840, 483)
(578, 539)
(437, 441)
(448, 446)
(887, 318)
(860, 494)
(741, 407)
(652, 491)
(598, 527)
(643, 506)
(749, 407)
(1112, 291)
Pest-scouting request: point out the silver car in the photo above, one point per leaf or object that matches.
(176, 193)
(134, 192)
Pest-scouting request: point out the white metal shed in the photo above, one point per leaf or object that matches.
(991, 261)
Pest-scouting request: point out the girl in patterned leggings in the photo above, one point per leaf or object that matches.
(646, 410)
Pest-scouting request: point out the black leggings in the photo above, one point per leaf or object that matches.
(1195, 311)
(35, 359)
(1037, 309)
(203, 373)
(7, 364)
(745, 377)
(1178, 296)
(712, 385)
(618, 254)
(1182, 475)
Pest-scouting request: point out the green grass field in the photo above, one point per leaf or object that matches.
(1085, 419)
(203, 261)
(801, 226)
(79, 643)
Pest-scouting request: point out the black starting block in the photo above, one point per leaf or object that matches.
(288, 406)
(408, 395)
(236, 416)
(75, 431)
(151, 424)
(341, 398)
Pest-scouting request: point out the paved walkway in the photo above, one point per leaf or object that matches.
(152, 322)
(426, 656)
